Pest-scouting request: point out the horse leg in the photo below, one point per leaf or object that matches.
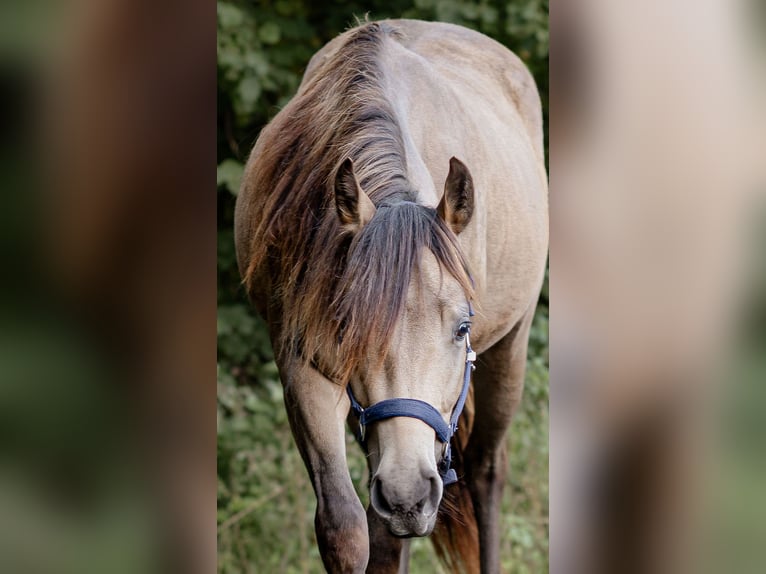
(317, 412)
(498, 384)
(404, 558)
(388, 554)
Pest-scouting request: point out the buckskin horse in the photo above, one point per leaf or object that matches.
(391, 225)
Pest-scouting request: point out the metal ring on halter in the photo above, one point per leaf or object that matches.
(470, 354)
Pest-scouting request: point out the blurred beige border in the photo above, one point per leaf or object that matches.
(656, 160)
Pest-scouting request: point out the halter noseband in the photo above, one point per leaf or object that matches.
(421, 410)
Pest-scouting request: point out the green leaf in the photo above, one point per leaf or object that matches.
(249, 92)
(269, 33)
(229, 16)
(229, 175)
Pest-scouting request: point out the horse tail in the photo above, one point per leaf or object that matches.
(456, 535)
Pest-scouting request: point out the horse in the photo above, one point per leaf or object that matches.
(392, 224)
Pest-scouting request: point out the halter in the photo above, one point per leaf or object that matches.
(421, 410)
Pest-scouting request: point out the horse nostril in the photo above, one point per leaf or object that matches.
(378, 500)
(430, 503)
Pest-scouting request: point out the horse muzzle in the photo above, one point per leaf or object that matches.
(407, 505)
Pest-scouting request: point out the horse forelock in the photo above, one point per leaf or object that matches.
(340, 295)
(372, 292)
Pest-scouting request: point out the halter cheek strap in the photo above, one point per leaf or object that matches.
(421, 410)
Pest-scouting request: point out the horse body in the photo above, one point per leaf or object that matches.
(378, 115)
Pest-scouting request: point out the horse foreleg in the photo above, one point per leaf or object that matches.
(498, 384)
(388, 554)
(317, 412)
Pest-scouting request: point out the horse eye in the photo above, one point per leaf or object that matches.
(462, 331)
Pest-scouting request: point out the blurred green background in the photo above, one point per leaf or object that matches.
(265, 502)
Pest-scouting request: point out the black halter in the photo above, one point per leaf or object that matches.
(421, 410)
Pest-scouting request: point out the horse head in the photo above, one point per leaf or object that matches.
(408, 286)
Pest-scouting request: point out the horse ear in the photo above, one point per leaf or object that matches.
(456, 205)
(354, 207)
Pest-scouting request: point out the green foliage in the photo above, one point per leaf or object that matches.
(265, 501)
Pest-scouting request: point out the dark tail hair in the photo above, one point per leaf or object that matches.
(456, 536)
